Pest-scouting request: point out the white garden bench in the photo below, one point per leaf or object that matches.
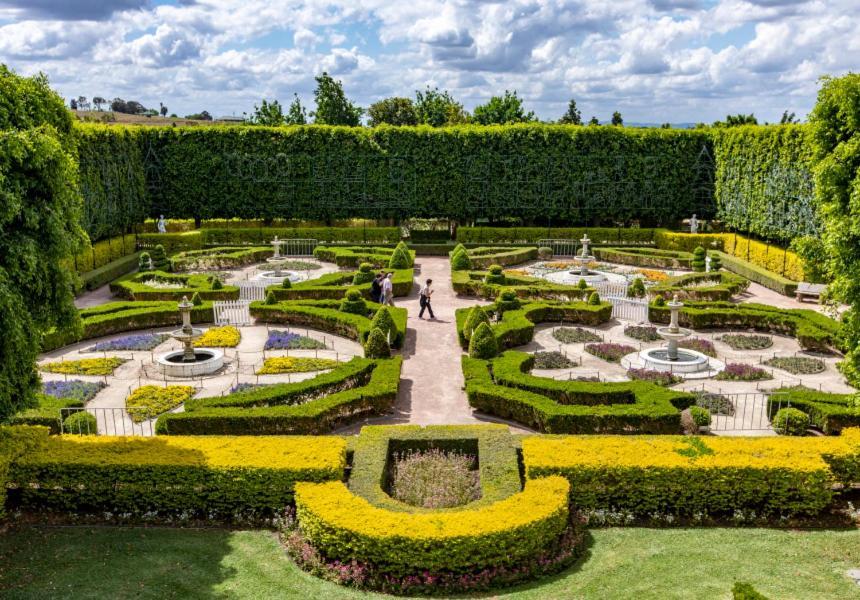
(809, 290)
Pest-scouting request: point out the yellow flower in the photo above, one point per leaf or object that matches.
(295, 364)
(86, 366)
(219, 337)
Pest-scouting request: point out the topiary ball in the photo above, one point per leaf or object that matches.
(144, 263)
(583, 285)
(270, 298)
(544, 253)
(196, 300)
(716, 261)
(286, 283)
(594, 299)
(790, 421)
(698, 262)
(483, 343)
(363, 275)
(354, 303)
(659, 301)
(701, 416)
(81, 423)
(383, 321)
(475, 317)
(376, 345)
(495, 275)
(159, 258)
(460, 261)
(507, 300)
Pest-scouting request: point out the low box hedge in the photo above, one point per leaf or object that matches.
(681, 475)
(483, 257)
(473, 283)
(134, 287)
(113, 270)
(353, 256)
(47, 412)
(361, 388)
(117, 317)
(335, 285)
(813, 330)
(724, 286)
(224, 257)
(760, 275)
(831, 413)
(502, 387)
(645, 257)
(224, 476)
(346, 527)
(325, 315)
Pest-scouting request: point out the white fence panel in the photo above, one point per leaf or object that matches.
(232, 312)
(629, 310)
(616, 289)
(253, 290)
(560, 247)
(298, 247)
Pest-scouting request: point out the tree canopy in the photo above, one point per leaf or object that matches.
(392, 111)
(500, 110)
(333, 107)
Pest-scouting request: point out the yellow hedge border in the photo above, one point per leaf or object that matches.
(345, 526)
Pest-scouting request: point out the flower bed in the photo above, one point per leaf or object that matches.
(742, 372)
(287, 340)
(72, 389)
(646, 257)
(159, 285)
(134, 342)
(715, 286)
(85, 366)
(151, 400)
(575, 335)
(609, 352)
(552, 360)
(483, 284)
(717, 404)
(704, 346)
(295, 364)
(797, 365)
(219, 337)
(211, 259)
(643, 333)
(737, 341)
(435, 478)
(664, 378)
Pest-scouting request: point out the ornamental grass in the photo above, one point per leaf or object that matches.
(295, 364)
(797, 365)
(742, 372)
(219, 337)
(609, 352)
(151, 400)
(575, 335)
(435, 478)
(85, 366)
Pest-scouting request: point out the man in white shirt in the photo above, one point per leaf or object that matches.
(388, 290)
(424, 300)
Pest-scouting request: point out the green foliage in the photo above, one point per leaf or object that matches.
(333, 107)
(831, 413)
(392, 111)
(144, 262)
(81, 423)
(659, 301)
(502, 110)
(296, 114)
(544, 253)
(582, 285)
(400, 259)
(790, 421)
(476, 317)
(377, 345)
(594, 299)
(572, 116)
(286, 284)
(835, 124)
(196, 300)
(813, 253)
(483, 343)
(488, 257)
(507, 300)
(354, 303)
(495, 276)
(270, 114)
(29, 102)
(460, 261)
(216, 284)
(159, 259)
(720, 285)
(698, 262)
(701, 416)
(383, 321)
(145, 286)
(438, 109)
(636, 289)
(457, 249)
(364, 274)
(745, 591)
(617, 120)
(716, 261)
(270, 299)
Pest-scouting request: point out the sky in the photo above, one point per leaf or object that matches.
(652, 60)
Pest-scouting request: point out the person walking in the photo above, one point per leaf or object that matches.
(388, 290)
(376, 288)
(424, 300)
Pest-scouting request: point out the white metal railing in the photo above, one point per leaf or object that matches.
(298, 247)
(253, 290)
(616, 289)
(232, 312)
(560, 247)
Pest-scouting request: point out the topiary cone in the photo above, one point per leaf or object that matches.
(377, 345)
(483, 343)
(475, 317)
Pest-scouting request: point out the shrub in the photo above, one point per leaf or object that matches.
(458, 248)
(476, 317)
(270, 299)
(144, 262)
(790, 421)
(552, 360)
(400, 259)
(483, 343)
(701, 416)
(196, 300)
(716, 261)
(643, 333)
(575, 335)
(159, 258)
(287, 284)
(363, 275)
(593, 299)
(435, 479)
(151, 400)
(81, 423)
(742, 372)
(295, 364)
(698, 262)
(216, 284)
(664, 378)
(495, 276)
(219, 337)
(544, 253)
(609, 352)
(353, 303)
(383, 321)
(636, 289)
(460, 261)
(507, 300)
(797, 365)
(746, 342)
(582, 284)
(85, 366)
(659, 301)
(377, 345)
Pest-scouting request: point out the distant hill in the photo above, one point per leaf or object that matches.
(116, 118)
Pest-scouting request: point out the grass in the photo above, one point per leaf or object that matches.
(112, 562)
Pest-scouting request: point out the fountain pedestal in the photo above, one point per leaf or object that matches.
(583, 260)
(190, 361)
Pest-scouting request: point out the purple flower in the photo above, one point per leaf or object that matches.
(137, 341)
(73, 389)
(287, 340)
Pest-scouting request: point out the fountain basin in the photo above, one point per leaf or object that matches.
(690, 364)
(573, 277)
(206, 361)
(278, 277)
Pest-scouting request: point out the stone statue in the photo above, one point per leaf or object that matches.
(694, 224)
(162, 225)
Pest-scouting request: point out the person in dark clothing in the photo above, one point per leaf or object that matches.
(424, 300)
(376, 288)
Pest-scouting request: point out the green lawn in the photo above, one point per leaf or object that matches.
(109, 562)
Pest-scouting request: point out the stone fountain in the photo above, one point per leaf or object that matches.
(582, 273)
(190, 361)
(583, 260)
(278, 274)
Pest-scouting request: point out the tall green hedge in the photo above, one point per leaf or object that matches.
(764, 182)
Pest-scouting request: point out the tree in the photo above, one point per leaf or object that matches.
(73, 103)
(666, 126)
(393, 111)
(83, 104)
(788, 118)
(438, 109)
(737, 120)
(201, 116)
(617, 120)
(333, 107)
(117, 105)
(296, 115)
(133, 107)
(593, 121)
(268, 113)
(572, 116)
(162, 109)
(501, 110)
(98, 101)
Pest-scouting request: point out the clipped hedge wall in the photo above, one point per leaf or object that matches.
(259, 236)
(724, 286)
(502, 387)
(531, 235)
(645, 257)
(351, 392)
(711, 476)
(474, 283)
(333, 286)
(831, 413)
(482, 258)
(222, 476)
(133, 287)
(113, 270)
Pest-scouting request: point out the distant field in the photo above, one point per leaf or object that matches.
(115, 118)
